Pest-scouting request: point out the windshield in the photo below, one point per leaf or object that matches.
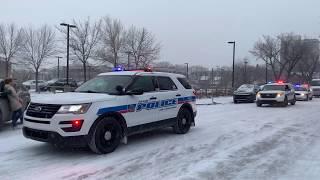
(298, 88)
(246, 87)
(274, 88)
(105, 84)
(315, 83)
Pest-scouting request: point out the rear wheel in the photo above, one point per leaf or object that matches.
(106, 136)
(1, 118)
(183, 123)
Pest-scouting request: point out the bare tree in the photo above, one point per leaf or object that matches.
(143, 46)
(84, 40)
(11, 39)
(39, 45)
(112, 36)
(292, 50)
(268, 49)
(310, 63)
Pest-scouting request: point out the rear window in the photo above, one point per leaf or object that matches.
(166, 84)
(184, 83)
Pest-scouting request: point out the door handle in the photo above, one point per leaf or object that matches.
(178, 95)
(153, 98)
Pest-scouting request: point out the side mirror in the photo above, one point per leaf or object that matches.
(135, 92)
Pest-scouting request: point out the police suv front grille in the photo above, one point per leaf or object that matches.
(42, 110)
(268, 95)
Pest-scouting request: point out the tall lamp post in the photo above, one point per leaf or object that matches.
(245, 70)
(59, 57)
(234, 52)
(68, 37)
(187, 70)
(266, 72)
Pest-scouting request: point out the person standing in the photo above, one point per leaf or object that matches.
(14, 101)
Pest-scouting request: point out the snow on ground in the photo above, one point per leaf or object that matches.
(230, 141)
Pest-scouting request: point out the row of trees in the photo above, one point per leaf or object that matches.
(288, 55)
(105, 40)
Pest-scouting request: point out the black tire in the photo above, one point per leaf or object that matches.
(307, 99)
(235, 101)
(258, 104)
(184, 121)
(106, 136)
(293, 102)
(285, 102)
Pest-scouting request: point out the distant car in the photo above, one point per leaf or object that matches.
(31, 84)
(5, 112)
(60, 84)
(246, 93)
(303, 92)
(276, 93)
(315, 87)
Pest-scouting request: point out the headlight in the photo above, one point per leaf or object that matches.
(280, 94)
(258, 95)
(302, 94)
(75, 109)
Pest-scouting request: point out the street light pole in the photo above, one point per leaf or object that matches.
(234, 53)
(68, 38)
(266, 72)
(187, 70)
(245, 71)
(58, 66)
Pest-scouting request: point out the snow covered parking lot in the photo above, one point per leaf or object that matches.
(230, 141)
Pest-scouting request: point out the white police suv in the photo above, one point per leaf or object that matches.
(107, 109)
(276, 93)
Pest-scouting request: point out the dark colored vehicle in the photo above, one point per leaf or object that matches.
(60, 84)
(246, 93)
(5, 112)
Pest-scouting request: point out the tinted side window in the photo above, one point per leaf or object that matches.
(146, 83)
(185, 83)
(165, 83)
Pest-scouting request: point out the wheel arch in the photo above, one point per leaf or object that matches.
(189, 108)
(118, 116)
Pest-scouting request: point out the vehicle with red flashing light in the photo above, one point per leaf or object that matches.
(276, 93)
(104, 111)
(303, 92)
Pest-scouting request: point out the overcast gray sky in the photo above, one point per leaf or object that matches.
(194, 31)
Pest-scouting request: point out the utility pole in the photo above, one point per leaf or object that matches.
(58, 66)
(266, 73)
(68, 38)
(234, 52)
(187, 70)
(245, 70)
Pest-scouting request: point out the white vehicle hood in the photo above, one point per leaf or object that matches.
(71, 98)
(304, 92)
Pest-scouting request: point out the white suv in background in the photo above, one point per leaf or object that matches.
(107, 109)
(315, 87)
(276, 93)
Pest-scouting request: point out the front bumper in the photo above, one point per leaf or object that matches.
(55, 138)
(271, 100)
(244, 97)
(300, 97)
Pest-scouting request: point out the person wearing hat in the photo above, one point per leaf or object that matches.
(14, 101)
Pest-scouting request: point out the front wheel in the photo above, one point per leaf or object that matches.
(106, 136)
(184, 121)
(293, 102)
(285, 102)
(1, 118)
(258, 104)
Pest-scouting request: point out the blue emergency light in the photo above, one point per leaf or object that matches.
(118, 68)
